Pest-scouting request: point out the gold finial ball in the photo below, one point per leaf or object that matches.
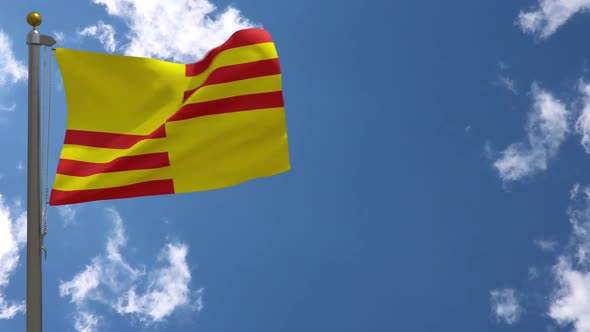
(34, 19)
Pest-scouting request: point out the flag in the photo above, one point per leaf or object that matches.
(142, 127)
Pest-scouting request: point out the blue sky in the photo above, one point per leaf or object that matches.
(438, 152)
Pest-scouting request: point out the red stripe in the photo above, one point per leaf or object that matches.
(127, 163)
(148, 188)
(229, 105)
(240, 38)
(109, 140)
(239, 72)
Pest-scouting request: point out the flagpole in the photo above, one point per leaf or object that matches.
(34, 291)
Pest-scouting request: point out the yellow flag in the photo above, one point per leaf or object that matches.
(140, 127)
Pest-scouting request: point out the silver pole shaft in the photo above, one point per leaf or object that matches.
(34, 291)
(34, 284)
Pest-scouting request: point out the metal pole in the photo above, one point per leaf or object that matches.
(34, 290)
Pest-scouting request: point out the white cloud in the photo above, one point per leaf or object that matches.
(11, 70)
(505, 305)
(176, 29)
(59, 83)
(13, 236)
(574, 191)
(20, 166)
(579, 217)
(59, 36)
(548, 15)
(167, 288)
(83, 283)
(9, 310)
(4, 108)
(570, 302)
(507, 83)
(546, 245)
(68, 213)
(502, 65)
(583, 122)
(105, 34)
(118, 269)
(85, 322)
(149, 296)
(569, 298)
(546, 130)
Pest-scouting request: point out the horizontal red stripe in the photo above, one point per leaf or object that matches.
(127, 163)
(109, 140)
(148, 188)
(240, 38)
(239, 72)
(229, 105)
